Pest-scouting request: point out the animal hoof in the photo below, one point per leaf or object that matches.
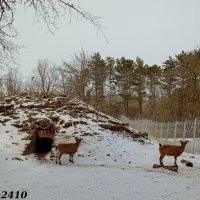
(156, 166)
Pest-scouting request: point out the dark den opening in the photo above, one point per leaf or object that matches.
(43, 145)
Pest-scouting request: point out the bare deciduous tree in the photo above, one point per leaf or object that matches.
(11, 82)
(49, 11)
(76, 75)
(46, 77)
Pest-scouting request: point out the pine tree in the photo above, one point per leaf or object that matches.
(153, 88)
(189, 81)
(139, 84)
(97, 69)
(110, 70)
(124, 80)
(169, 83)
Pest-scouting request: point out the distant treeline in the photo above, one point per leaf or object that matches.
(119, 86)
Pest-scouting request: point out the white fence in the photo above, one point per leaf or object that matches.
(170, 132)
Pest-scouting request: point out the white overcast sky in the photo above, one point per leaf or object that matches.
(150, 29)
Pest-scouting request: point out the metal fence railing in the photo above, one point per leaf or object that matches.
(169, 132)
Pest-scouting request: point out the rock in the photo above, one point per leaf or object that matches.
(187, 163)
(5, 120)
(15, 143)
(87, 134)
(55, 118)
(62, 121)
(17, 125)
(16, 158)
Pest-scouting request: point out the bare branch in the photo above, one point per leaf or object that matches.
(49, 11)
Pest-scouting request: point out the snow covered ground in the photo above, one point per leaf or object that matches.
(108, 166)
(113, 167)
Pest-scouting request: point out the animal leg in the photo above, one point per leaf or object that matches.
(56, 159)
(60, 155)
(175, 159)
(71, 158)
(161, 160)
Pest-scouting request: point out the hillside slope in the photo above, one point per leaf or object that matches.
(24, 116)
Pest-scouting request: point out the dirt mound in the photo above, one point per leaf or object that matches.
(57, 115)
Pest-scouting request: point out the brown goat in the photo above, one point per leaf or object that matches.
(66, 148)
(171, 150)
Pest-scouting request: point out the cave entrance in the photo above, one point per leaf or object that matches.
(41, 138)
(44, 141)
(43, 145)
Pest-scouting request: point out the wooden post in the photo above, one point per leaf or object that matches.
(155, 130)
(194, 135)
(161, 129)
(167, 131)
(146, 126)
(175, 129)
(184, 129)
(141, 125)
